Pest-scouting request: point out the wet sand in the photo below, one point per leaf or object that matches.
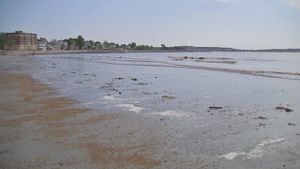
(99, 111)
(34, 109)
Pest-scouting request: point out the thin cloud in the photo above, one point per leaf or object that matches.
(294, 3)
(291, 3)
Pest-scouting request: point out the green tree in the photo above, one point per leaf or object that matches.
(91, 44)
(143, 47)
(71, 43)
(98, 45)
(112, 45)
(163, 46)
(123, 46)
(132, 45)
(80, 42)
(105, 45)
(2, 41)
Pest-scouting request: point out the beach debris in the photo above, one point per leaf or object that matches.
(284, 108)
(215, 107)
(206, 59)
(118, 78)
(261, 125)
(168, 97)
(109, 86)
(261, 118)
(142, 83)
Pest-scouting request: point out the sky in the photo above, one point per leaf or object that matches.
(244, 24)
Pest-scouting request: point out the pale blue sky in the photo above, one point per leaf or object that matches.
(226, 23)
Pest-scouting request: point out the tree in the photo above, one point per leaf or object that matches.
(71, 43)
(98, 45)
(132, 45)
(91, 44)
(112, 45)
(63, 46)
(163, 46)
(105, 45)
(2, 41)
(123, 46)
(80, 42)
(143, 47)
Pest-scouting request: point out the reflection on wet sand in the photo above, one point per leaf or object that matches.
(31, 107)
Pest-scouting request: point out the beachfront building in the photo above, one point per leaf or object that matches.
(42, 44)
(57, 45)
(20, 41)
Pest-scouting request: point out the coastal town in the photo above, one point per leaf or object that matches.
(20, 40)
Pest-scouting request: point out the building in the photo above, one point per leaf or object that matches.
(57, 45)
(42, 44)
(63, 45)
(20, 41)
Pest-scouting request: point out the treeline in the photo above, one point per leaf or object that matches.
(2, 40)
(80, 43)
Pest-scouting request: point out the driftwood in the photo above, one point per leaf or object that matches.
(284, 108)
(215, 107)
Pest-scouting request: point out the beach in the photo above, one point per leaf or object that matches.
(231, 110)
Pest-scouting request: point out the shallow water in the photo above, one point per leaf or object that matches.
(167, 102)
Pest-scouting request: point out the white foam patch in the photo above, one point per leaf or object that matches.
(109, 98)
(254, 153)
(89, 103)
(131, 107)
(206, 97)
(232, 155)
(93, 102)
(172, 113)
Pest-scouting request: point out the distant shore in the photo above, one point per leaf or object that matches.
(194, 49)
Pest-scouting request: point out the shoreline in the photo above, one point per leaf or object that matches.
(57, 52)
